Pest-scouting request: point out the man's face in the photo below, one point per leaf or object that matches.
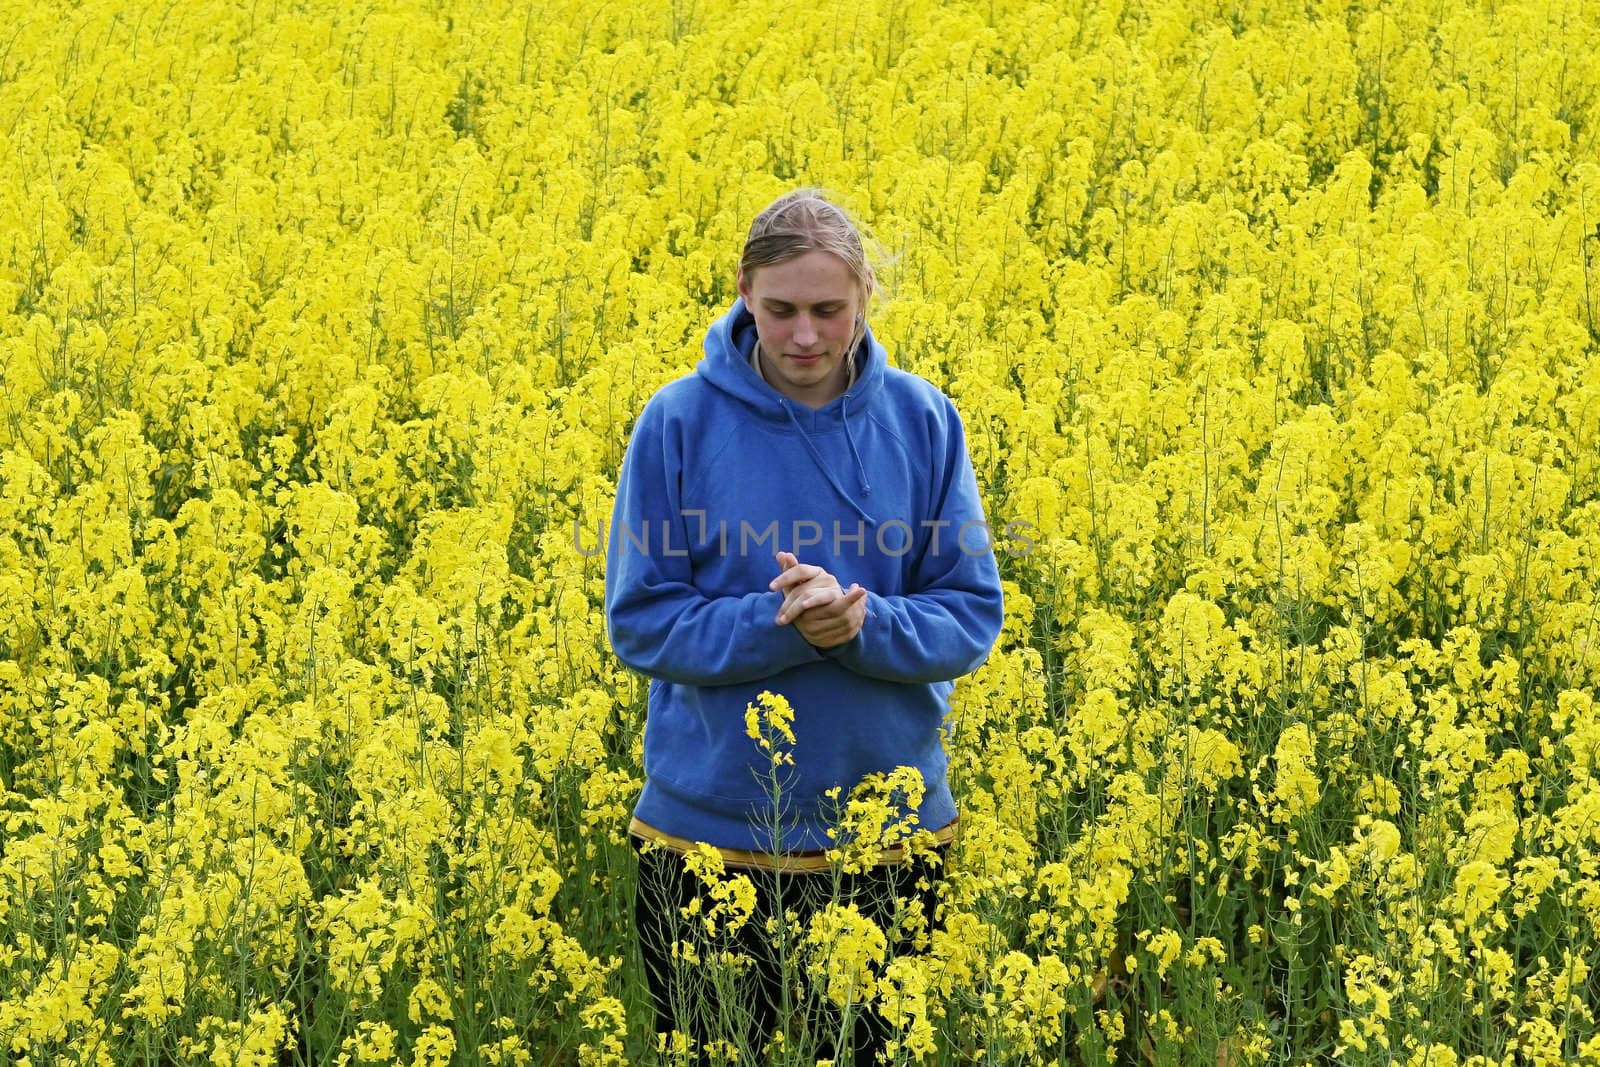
(805, 311)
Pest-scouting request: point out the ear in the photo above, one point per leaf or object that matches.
(744, 287)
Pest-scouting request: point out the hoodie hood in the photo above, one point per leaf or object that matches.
(726, 366)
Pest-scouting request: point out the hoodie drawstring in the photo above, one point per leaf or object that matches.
(816, 458)
(861, 469)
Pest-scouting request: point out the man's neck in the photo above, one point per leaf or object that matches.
(826, 392)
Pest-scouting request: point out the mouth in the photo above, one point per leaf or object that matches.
(804, 361)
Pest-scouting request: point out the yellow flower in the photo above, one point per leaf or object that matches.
(1296, 788)
(845, 951)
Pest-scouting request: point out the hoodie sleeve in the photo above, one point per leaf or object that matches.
(947, 622)
(658, 622)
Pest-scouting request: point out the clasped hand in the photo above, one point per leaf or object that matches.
(825, 613)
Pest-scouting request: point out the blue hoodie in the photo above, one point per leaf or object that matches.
(722, 472)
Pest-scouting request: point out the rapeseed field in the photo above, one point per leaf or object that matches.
(1273, 328)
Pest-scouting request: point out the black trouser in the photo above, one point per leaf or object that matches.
(707, 1001)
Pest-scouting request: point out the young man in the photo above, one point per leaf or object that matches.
(796, 517)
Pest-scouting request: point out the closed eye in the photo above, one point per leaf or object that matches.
(826, 311)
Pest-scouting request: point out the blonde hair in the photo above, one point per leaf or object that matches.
(805, 220)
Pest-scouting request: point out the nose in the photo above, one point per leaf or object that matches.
(805, 331)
